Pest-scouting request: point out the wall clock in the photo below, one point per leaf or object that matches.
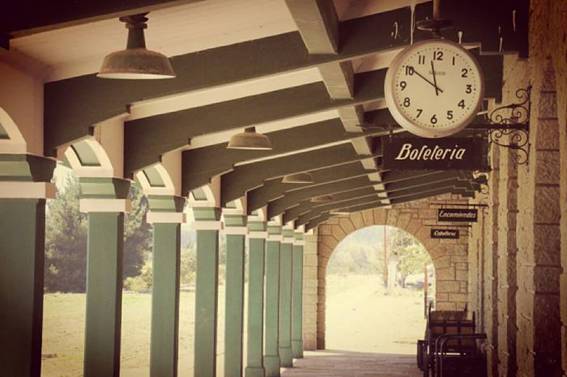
(434, 88)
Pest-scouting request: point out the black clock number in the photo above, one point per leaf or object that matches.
(464, 73)
(421, 59)
(409, 70)
(403, 84)
(468, 90)
(407, 102)
(449, 114)
(461, 104)
(453, 60)
(419, 111)
(437, 55)
(434, 119)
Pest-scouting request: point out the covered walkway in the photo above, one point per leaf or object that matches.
(331, 363)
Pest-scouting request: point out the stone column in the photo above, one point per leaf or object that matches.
(257, 242)
(235, 229)
(507, 285)
(271, 351)
(207, 223)
(310, 292)
(105, 201)
(286, 271)
(297, 297)
(24, 186)
(166, 215)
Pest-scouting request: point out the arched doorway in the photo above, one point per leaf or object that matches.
(450, 257)
(376, 291)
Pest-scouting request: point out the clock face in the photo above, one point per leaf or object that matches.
(434, 88)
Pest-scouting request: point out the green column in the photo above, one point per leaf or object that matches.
(297, 298)
(271, 345)
(22, 244)
(286, 251)
(166, 216)
(206, 294)
(235, 229)
(104, 201)
(257, 243)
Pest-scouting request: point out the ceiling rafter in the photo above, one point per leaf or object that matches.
(72, 106)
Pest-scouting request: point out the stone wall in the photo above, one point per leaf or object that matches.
(310, 292)
(449, 256)
(521, 246)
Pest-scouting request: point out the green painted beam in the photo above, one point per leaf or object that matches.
(271, 316)
(272, 189)
(165, 300)
(234, 296)
(286, 270)
(293, 198)
(297, 300)
(145, 140)
(22, 231)
(205, 163)
(67, 118)
(206, 294)
(255, 327)
(246, 177)
(104, 294)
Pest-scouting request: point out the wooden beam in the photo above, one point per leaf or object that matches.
(318, 24)
(72, 106)
(148, 138)
(27, 17)
(292, 198)
(246, 177)
(204, 163)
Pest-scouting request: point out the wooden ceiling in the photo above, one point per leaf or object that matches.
(308, 73)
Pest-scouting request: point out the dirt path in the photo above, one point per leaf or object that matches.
(360, 317)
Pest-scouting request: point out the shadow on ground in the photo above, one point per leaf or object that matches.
(336, 363)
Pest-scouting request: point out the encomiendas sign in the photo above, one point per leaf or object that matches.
(450, 234)
(457, 214)
(416, 153)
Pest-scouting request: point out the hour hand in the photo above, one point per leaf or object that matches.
(426, 80)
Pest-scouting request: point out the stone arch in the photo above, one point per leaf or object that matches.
(449, 257)
(11, 139)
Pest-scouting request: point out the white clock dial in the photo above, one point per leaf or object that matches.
(434, 88)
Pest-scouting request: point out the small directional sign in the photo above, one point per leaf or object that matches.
(450, 234)
(467, 215)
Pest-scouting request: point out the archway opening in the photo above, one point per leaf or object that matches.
(379, 281)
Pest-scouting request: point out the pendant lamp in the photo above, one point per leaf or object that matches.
(250, 140)
(298, 178)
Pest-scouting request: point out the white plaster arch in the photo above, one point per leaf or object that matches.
(15, 143)
(104, 167)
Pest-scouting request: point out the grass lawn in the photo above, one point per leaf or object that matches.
(64, 334)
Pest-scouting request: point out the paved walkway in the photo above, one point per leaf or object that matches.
(353, 364)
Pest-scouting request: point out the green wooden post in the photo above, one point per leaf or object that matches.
(166, 215)
(235, 229)
(271, 346)
(257, 242)
(297, 298)
(22, 225)
(286, 251)
(206, 294)
(104, 199)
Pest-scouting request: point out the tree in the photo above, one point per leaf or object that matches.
(66, 239)
(413, 259)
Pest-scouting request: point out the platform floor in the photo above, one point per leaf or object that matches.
(330, 363)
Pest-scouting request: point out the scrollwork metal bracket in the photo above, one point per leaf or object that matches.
(509, 126)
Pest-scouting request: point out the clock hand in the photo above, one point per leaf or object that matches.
(434, 79)
(427, 80)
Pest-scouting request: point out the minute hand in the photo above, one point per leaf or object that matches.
(428, 81)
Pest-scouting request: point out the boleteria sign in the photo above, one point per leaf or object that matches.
(414, 153)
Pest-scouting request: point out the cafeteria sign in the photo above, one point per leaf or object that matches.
(414, 153)
(448, 234)
(457, 214)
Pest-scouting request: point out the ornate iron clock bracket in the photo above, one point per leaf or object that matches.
(508, 126)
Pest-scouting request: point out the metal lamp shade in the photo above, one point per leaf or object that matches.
(136, 63)
(322, 199)
(298, 178)
(250, 140)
